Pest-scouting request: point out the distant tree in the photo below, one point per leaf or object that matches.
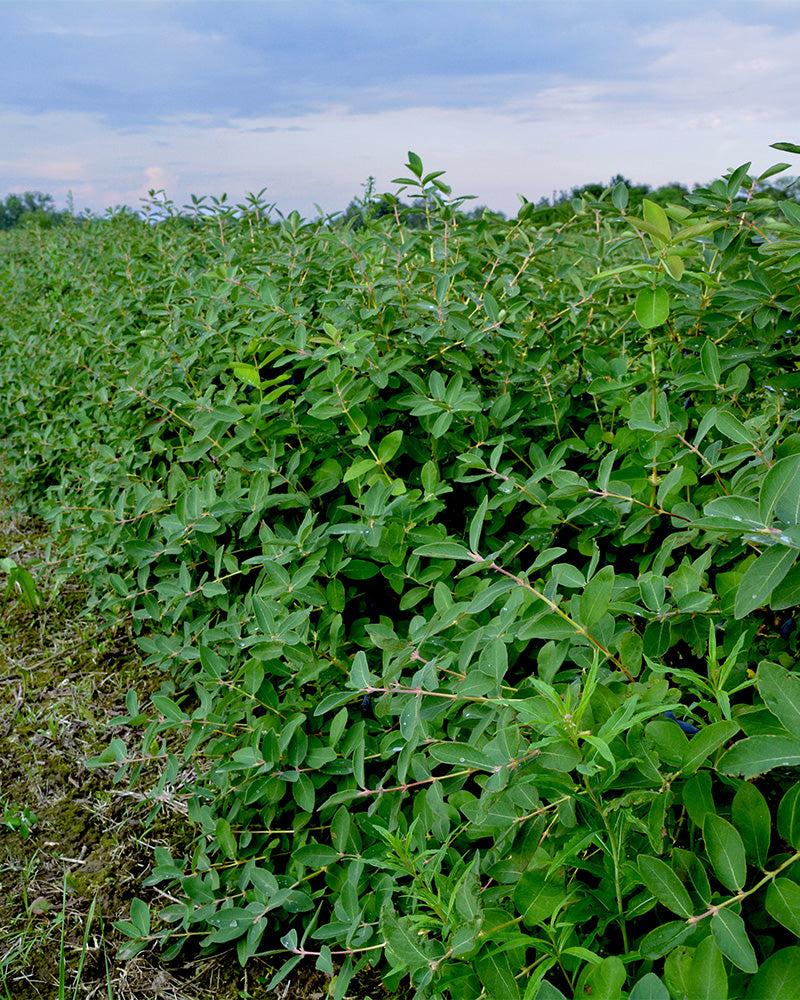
(30, 208)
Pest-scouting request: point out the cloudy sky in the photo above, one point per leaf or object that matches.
(308, 98)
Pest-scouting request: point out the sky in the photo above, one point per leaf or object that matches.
(309, 98)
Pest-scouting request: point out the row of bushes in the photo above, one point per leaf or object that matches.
(426, 531)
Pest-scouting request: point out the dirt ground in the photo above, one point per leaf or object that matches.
(74, 846)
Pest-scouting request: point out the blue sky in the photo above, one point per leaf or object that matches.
(307, 98)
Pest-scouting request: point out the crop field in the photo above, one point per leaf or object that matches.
(434, 594)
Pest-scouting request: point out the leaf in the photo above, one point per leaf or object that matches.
(462, 755)
(707, 978)
(140, 917)
(709, 739)
(731, 938)
(725, 851)
(495, 973)
(414, 164)
(596, 596)
(762, 577)
(619, 196)
(389, 446)
(225, 839)
(359, 468)
(776, 168)
(656, 216)
(443, 550)
(781, 693)
(789, 816)
(674, 266)
(247, 373)
(733, 428)
(665, 885)
(548, 992)
(778, 976)
(785, 147)
(360, 676)
(409, 719)
(759, 754)
(402, 941)
(783, 903)
(649, 987)
(477, 524)
(709, 361)
(658, 942)
(742, 511)
(751, 817)
(605, 980)
(651, 307)
(697, 797)
(316, 855)
(780, 491)
(535, 897)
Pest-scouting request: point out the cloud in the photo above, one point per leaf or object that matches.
(310, 99)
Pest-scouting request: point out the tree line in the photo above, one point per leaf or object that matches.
(36, 208)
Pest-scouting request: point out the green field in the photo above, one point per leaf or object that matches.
(462, 557)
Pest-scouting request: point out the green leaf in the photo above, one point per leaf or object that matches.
(698, 798)
(778, 976)
(663, 939)
(783, 903)
(751, 817)
(781, 693)
(619, 196)
(225, 839)
(495, 973)
(389, 446)
(656, 216)
(733, 428)
(787, 593)
(315, 855)
(789, 816)
(780, 491)
(403, 943)
(731, 938)
(709, 361)
(651, 307)
(596, 596)
(709, 739)
(776, 168)
(359, 468)
(785, 147)
(443, 550)
(741, 511)
(360, 676)
(707, 978)
(725, 851)
(605, 980)
(759, 754)
(535, 897)
(247, 373)
(414, 164)
(762, 577)
(476, 525)
(665, 885)
(140, 916)
(462, 755)
(649, 987)
(548, 992)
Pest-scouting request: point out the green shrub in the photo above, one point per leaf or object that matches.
(427, 529)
